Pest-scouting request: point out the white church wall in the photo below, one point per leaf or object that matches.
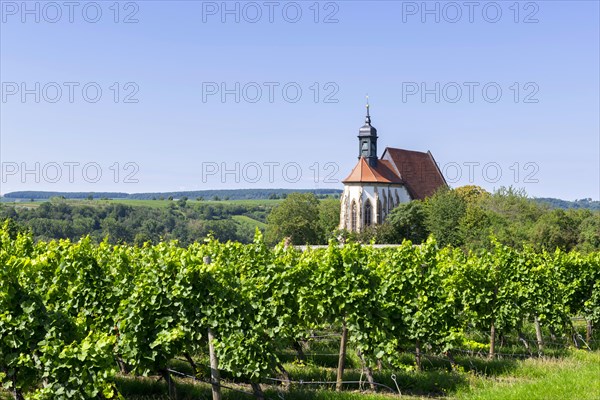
(389, 196)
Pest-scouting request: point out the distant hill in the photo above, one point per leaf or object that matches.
(241, 194)
(37, 195)
(231, 194)
(565, 204)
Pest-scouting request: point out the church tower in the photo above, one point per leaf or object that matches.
(367, 140)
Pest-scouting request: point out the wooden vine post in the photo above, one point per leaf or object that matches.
(493, 325)
(538, 334)
(215, 378)
(342, 359)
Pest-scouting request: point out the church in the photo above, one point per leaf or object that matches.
(377, 185)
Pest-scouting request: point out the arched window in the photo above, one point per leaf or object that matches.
(379, 212)
(353, 217)
(397, 198)
(368, 213)
(385, 206)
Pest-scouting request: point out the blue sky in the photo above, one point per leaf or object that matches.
(502, 93)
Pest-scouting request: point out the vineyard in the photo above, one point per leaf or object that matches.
(77, 320)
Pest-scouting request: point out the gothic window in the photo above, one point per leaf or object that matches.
(385, 206)
(368, 213)
(379, 212)
(397, 198)
(353, 217)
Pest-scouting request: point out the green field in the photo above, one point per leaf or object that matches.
(165, 203)
(249, 222)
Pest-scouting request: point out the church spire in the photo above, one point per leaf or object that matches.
(367, 139)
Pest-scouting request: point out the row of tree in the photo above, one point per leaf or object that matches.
(181, 220)
(464, 217)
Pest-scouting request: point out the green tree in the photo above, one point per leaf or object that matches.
(472, 193)
(476, 223)
(408, 222)
(297, 217)
(589, 233)
(508, 215)
(444, 210)
(329, 217)
(555, 229)
(182, 202)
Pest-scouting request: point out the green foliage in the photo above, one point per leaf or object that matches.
(23, 320)
(589, 233)
(556, 229)
(70, 311)
(512, 216)
(329, 217)
(123, 223)
(296, 218)
(408, 221)
(445, 209)
(467, 216)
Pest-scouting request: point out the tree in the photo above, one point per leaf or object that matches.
(297, 217)
(589, 233)
(444, 211)
(472, 193)
(476, 226)
(512, 216)
(329, 217)
(476, 222)
(554, 229)
(408, 222)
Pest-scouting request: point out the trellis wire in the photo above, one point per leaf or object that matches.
(302, 382)
(295, 382)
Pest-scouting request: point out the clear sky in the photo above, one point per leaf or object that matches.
(185, 95)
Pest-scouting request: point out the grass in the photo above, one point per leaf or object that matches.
(165, 203)
(248, 222)
(574, 377)
(563, 373)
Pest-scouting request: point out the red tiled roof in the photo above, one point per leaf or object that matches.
(418, 171)
(382, 173)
